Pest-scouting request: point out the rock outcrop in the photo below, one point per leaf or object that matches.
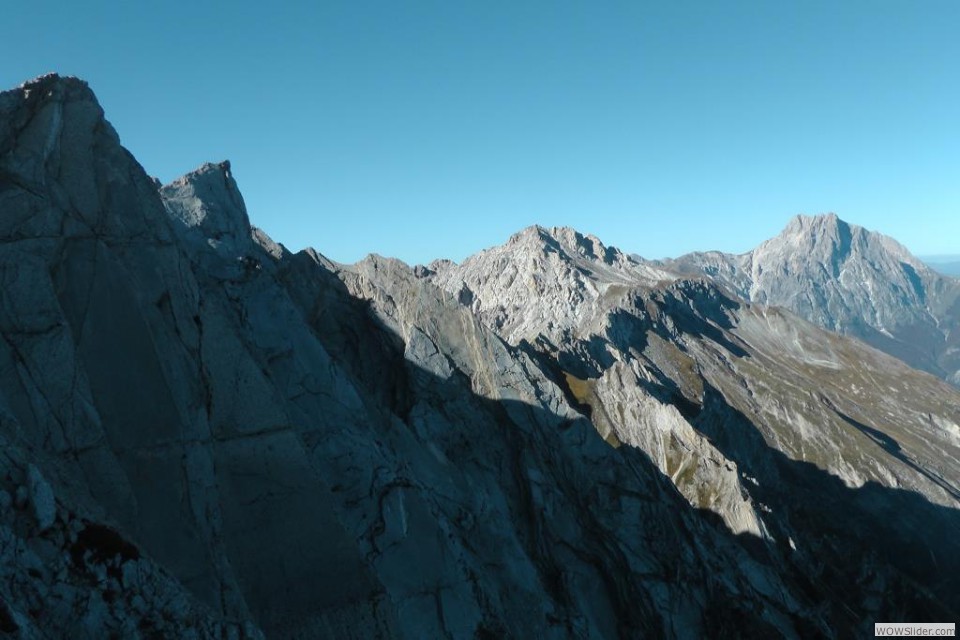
(206, 435)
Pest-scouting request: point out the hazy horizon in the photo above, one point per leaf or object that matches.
(948, 257)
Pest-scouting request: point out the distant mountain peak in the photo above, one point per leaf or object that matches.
(820, 225)
(846, 278)
(804, 221)
(568, 240)
(195, 408)
(827, 237)
(822, 238)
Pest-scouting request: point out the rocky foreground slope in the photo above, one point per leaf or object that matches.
(205, 435)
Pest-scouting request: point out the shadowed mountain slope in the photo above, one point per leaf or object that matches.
(207, 435)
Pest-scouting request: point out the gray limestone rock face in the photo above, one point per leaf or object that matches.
(852, 281)
(563, 271)
(205, 435)
(750, 411)
(208, 209)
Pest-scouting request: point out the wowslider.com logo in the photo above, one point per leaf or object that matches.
(915, 630)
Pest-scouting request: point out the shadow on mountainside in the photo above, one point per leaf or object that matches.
(613, 545)
(564, 487)
(688, 302)
(416, 508)
(847, 540)
(348, 329)
(845, 536)
(891, 446)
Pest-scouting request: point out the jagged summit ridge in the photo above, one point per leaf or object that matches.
(848, 279)
(831, 240)
(570, 240)
(212, 434)
(53, 85)
(543, 281)
(651, 357)
(57, 146)
(38, 105)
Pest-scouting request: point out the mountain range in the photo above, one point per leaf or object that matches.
(852, 281)
(206, 435)
(947, 264)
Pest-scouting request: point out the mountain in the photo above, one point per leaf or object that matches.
(662, 347)
(206, 435)
(852, 281)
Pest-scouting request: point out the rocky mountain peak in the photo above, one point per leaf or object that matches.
(827, 237)
(802, 223)
(209, 206)
(202, 433)
(567, 240)
(830, 252)
(38, 105)
(543, 281)
(57, 146)
(826, 233)
(848, 279)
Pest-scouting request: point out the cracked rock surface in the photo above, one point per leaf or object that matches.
(206, 435)
(789, 434)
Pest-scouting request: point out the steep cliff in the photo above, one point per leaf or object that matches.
(205, 434)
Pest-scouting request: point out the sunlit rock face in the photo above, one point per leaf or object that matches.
(205, 435)
(849, 280)
(753, 413)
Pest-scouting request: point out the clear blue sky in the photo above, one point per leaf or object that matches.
(429, 129)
